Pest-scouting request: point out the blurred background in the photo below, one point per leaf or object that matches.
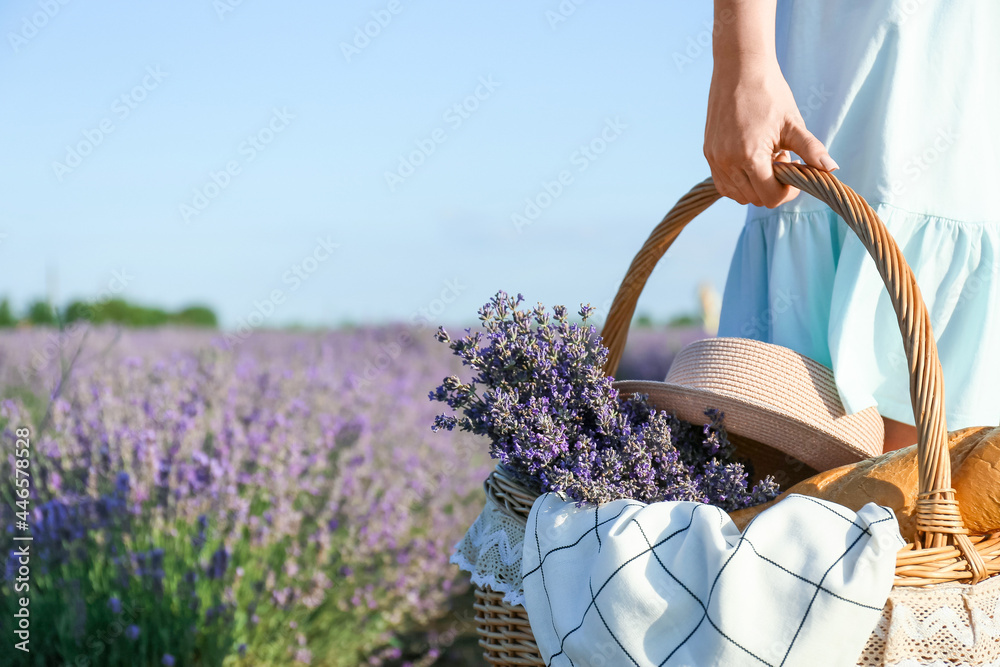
(228, 229)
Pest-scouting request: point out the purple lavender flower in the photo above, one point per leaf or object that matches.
(156, 559)
(116, 605)
(12, 565)
(217, 565)
(122, 484)
(198, 540)
(168, 660)
(132, 632)
(140, 564)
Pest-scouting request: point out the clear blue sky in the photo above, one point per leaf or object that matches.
(117, 115)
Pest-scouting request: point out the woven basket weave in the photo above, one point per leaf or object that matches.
(943, 551)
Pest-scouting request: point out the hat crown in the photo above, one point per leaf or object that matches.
(769, 393)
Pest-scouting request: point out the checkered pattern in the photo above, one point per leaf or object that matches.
(675, 583)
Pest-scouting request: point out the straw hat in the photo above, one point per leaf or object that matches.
(771, 395)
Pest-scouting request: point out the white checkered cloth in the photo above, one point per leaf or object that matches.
(676, 583)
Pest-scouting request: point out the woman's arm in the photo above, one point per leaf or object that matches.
(752, 115)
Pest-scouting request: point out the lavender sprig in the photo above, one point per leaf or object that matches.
(556, 422)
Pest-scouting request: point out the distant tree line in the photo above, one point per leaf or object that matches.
(644, 320)
(112, 311)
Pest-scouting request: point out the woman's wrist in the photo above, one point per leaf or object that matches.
(743, 33)
(743, 71)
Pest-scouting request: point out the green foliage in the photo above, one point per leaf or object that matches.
(77, 310)
(685, 321)
(34, 403)
(114, 311)
(644, 321)
(120, 311)
(195, 316)
(7, 318)
(41, 313)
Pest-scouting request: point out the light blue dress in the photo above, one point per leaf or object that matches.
(905, 95)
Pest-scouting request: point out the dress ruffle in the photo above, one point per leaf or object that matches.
(803, 280)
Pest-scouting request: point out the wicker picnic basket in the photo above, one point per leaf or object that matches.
(944, 556)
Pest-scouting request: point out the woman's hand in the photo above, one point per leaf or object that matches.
(752, 115)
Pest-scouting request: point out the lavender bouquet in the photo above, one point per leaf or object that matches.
(557, 424)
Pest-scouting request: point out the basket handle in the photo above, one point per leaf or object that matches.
(938, 519)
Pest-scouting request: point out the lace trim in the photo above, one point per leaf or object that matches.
(491, 552)
(511, 597)
(947, 625)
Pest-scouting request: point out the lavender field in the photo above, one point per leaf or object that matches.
(278, 500)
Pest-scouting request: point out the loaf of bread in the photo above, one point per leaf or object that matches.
(891, 480)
